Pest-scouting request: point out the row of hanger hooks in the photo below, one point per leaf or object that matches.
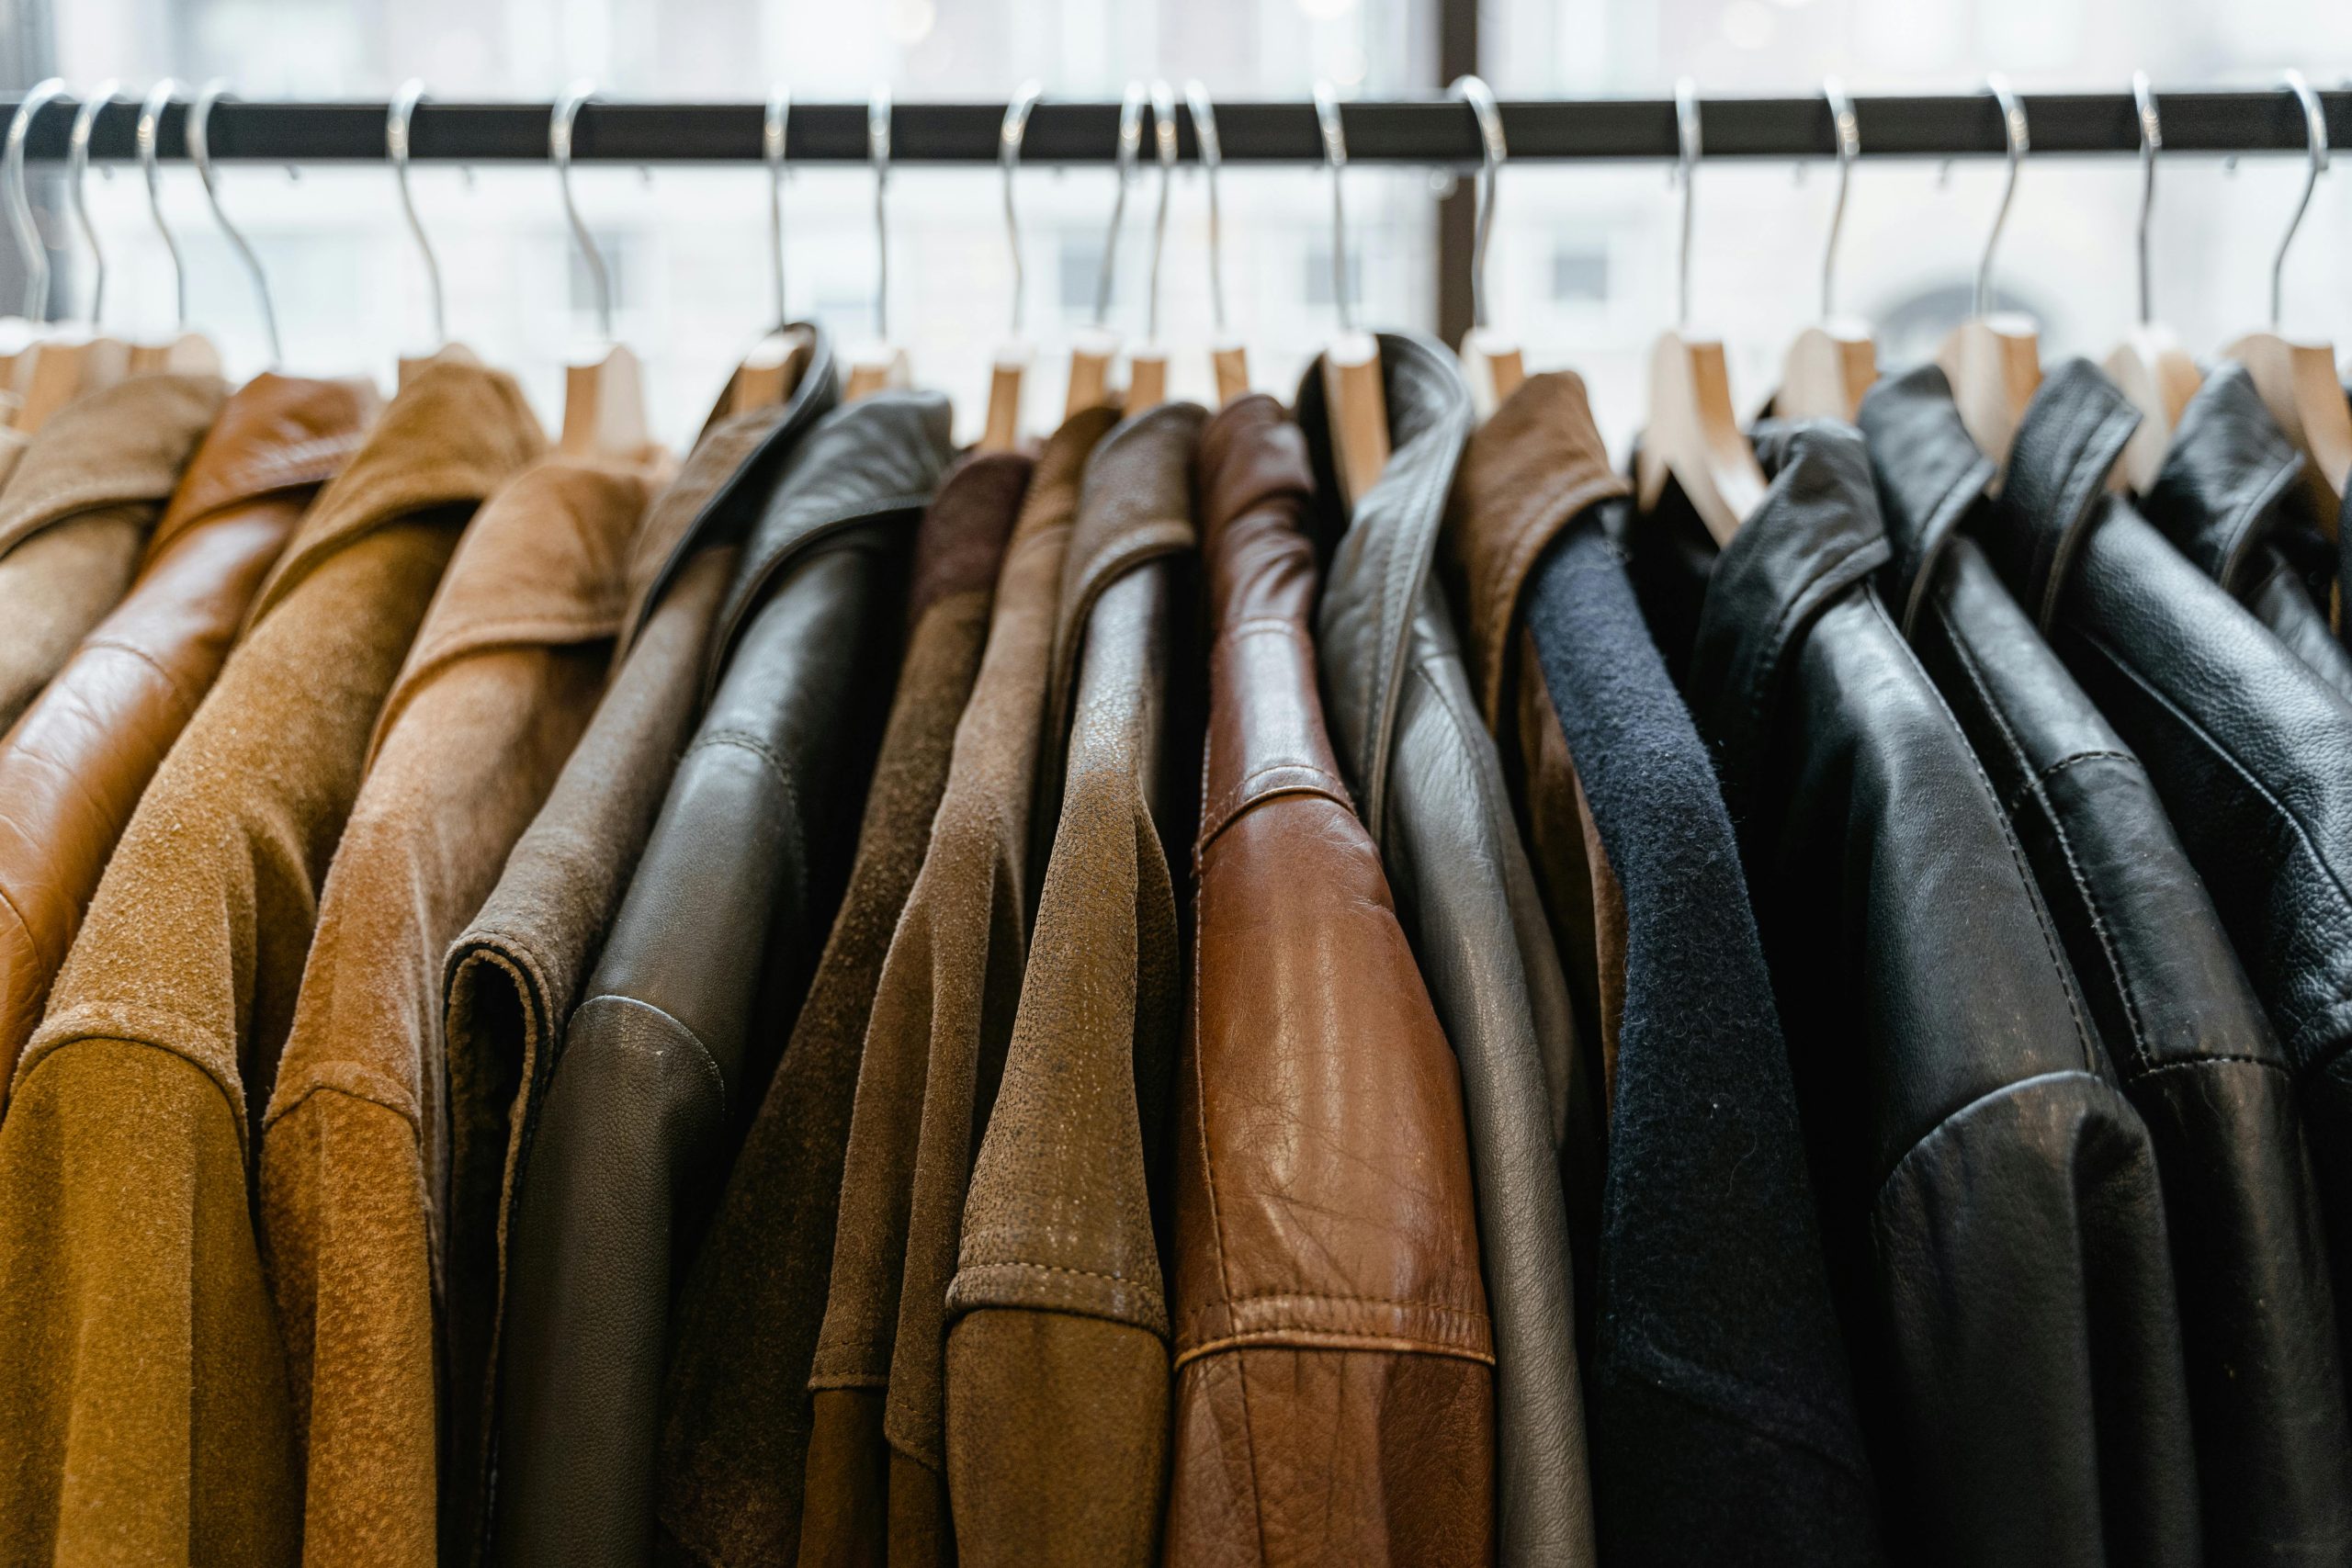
(1158, 96)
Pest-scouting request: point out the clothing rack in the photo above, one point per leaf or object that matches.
(1433, 132)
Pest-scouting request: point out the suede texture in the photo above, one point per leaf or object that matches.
(1057, 1384)
(146, 1397)
(76, 513)
(736, 1419)
(933, 1051)
(73, 767)
(354, 1162)
(514, 974)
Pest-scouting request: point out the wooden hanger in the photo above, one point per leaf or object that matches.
(1148, 366)
(1833, 362)
(1009, 371)
(1994, 360)
(876, 366)
(1095, 348)
(1491, 360)
(74, 362)
(1351, 380)
(1692, 434)
(2297, 376)
(1228, 361)
(770, 370)
(604, 385)
(2149, 365)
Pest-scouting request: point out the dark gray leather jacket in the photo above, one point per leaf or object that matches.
(2250, 751)
(1429, 787)
(699, 983)
(1992, 1213)
(2181, 1025)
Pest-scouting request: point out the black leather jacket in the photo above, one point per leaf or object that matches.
(1992, 1212)
(2181, 1025)
(2227, 496)
(2250, 751)
(697, 987)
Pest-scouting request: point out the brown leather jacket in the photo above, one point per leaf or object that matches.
(1326, 1247)
(1058, 1367)
(74, 764)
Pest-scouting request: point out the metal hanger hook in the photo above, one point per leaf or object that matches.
(2151, 141)
(2315, 164)
(1130, 144)
(20, 207)
(1335, 156)
(560, 124)
(77, 183)
(774, 124)
(151, 117)
(1163, 133)
(1686, 165)
(396, 146)
(1196, 99)
(1474, 91)
(1849, 131)
(1009, 136)
(878, 150)
(2012, 128)
(199, 152)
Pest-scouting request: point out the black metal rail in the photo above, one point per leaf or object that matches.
(1431, 132)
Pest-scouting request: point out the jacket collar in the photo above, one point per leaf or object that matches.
(1536, 464)
(2072, 432)
(541, 565)
(1381, 560)
(274, 433)
(1929, 474)
(863, 461)
(718, 490)
(124, 445)
(959, 545)
(455, 434)
(2217, 495)
(1816, 535)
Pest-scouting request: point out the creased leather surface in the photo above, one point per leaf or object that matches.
(1994, 1219)
(1057, 1372)
(1718, 1433)
(74, 765)
(706, 967)
(2181, 1025)
(1335, 1393)
(736, 1419)
(2250, 752)
(1426, 774)
(147, 1378)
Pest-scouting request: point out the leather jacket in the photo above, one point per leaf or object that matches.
(2250, 752)
(2226, 496)
(1992, 1219)
(74, 764)
(1429, 785)
(2182, 1027)
(696, 988)
(1326, 1293)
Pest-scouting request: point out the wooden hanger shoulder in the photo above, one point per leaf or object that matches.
(63, 367)
(604, 406)
(1229, 362)
(1827, 370)
(1358, 411)
(2150, 367)
(1147, 377)
(1493, 365)
(769, 372)
(188, 354)
(1694, 435)
(1008, 383)
(876, 368)
(1994, 366)
(2299, 386)
(409, 365)
(1090, 354)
